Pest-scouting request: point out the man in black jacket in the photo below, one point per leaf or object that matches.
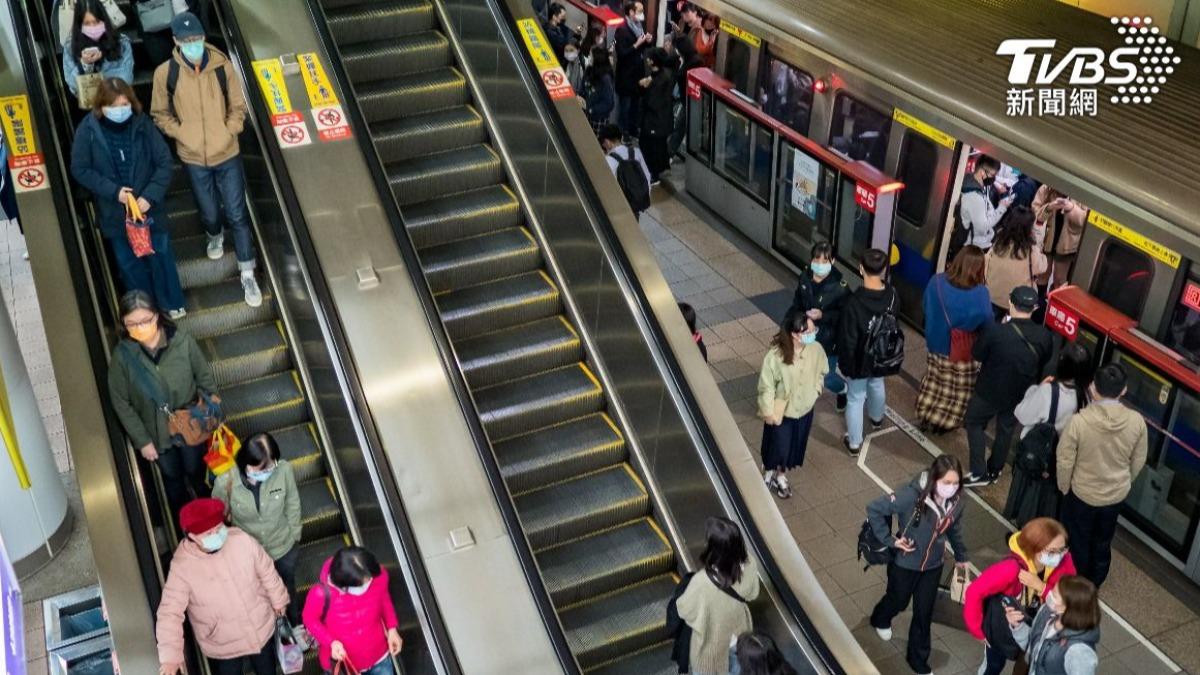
(657, 117)
(862, 310)
(632, 42)
(1012, 355)
(821, 294)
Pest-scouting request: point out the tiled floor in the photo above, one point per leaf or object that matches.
(727, 279)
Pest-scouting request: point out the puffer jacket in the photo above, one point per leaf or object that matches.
(928, 532)
(230, 597)
(353, 620)
(94, 165)
(1003, 578)
(1065, 652)
(275, 520)
(205, 126)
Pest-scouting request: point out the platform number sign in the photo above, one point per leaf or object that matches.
(865, 196)
(1191, 296)
(1062, 320)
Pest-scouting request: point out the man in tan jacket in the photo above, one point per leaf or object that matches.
(198, 102)
(1101, 452)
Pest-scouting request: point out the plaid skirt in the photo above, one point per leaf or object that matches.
(945, 390)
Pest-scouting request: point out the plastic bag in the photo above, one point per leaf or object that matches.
(289, 653)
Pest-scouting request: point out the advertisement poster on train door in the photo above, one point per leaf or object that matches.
(806, 171)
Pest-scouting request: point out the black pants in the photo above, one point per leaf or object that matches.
(994, 661)
(979, 412)
(654, 151)
(922, 589)
(262, 663)
(1090, 529)
(182, 470)
(286, 567)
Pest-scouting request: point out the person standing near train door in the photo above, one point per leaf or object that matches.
(632, 42)
(975, 216)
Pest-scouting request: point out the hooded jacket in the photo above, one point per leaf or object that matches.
(93, 164)
(976, 213)
(230, 597)
(827, 295)
(854, 326)
(205, 126)
(929, 532)
(274, 520)
(359, 622)
(1003, 579)
(1068, 652)
(1101, 452)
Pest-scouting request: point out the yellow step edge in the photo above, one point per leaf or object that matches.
(615, 591)
(570, 328)
(612, 425)
(659, 532)
(588, 371)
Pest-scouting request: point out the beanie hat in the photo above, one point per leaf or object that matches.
(201, 515)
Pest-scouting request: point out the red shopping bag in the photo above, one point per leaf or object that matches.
(137, 228)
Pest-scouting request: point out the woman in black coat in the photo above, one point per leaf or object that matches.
(657, 114)
(120, 155)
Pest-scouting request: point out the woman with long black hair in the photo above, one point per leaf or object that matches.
(714, 603)
(756, 654)
(95, 47)
(793, 374)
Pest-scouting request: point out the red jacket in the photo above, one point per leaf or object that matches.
(359, 622)
(1002, 578)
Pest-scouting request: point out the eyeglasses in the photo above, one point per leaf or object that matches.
(1058, 551)
(140, 324)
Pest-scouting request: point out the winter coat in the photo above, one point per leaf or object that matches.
(93, 164)
(1006, 272)
(827, 295)
(928, 532)
(602, 98)
(359, 622)
(1034, 408)
(275, 520)
(657, 105)
(1066, 652)
(559, 36)
(122, 68)
(231, 598)
(205, 126)
(1013, 356)
(715, 617)
(631, 60)
(967, 309)
(1003, 579)
(1101, 452)
(799, 383)
(1068, 229)
(181, 370)
(854, 327)
(977, 214)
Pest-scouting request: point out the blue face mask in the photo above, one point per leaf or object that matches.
(213, 542)
(822, 269)
(808, 338)
(118, 113)
(260, 476)
(193, 51)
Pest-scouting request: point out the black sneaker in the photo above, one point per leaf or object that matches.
(841, 403)
(876, 426)
(973, 481)
(846, 442)
(994, 476)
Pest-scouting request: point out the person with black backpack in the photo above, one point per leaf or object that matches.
(870, 347)
(975, 214)
(1043, 414)
(629, 168)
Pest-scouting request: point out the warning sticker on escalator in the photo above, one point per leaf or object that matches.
(290, 130)
(331, 123)
(320, 91)
(26, 165)
(539, 48)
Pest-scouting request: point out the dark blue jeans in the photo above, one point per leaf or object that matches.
(155, 274)
(224, 185)
(182, 470)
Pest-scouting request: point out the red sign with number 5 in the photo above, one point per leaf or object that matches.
(865, 196)
(1062, 321)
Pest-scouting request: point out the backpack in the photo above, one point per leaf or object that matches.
(677, 628)
(632, 180)
(1035, 452)
(871, 550)
(885, 343)
(959, 235)
(173, 81)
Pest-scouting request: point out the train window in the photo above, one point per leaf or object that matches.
(1183, 335)
(743, 152)
(859, 130)
(699, 140)
(806, 199)
(786, 93)
(918, 164)
(737, 64)
(1122, 278)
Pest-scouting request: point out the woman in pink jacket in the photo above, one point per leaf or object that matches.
(227, 585)
(350, 613)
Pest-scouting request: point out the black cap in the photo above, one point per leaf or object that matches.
(1024, 298)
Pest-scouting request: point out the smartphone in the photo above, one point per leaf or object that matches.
(92, 50)
(1012, 603)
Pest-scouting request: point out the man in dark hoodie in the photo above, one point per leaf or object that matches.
(861, 311)
(821, 294)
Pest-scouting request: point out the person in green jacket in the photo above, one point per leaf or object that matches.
(262, 499)
(793, 374)
(156, 364)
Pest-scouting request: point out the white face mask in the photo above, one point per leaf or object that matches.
(572, 56)
(1050, 559)
(359, 590)
(640, 16)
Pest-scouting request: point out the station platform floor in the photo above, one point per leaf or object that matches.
(1151, 620)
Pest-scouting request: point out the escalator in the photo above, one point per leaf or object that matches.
(603, 557)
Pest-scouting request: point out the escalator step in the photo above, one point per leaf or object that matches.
(247, 354)
(183, 218)
(312, 556)
(222, 308)
(604, 562)
(423, 178)
(516, 352)
(620, 623)
(565, 511)
(499, 304)
(471, 261)
(520, 406)
(380, 59)
(436, 131)
(445, 219)
(320, 514)
(655, 660)
(411, 94)
(298, 445)
(195, 269)
(264, 404)
(350, 23)
(556, 453)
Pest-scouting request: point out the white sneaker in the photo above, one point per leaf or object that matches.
(216, 247)
(250, 288)
(177, 314)
(884, 634)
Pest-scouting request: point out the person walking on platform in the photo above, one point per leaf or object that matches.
(1037, 560)
(119, 156)
(1012, 356)
(198, 101)
(1016, 257)
(956, 310)
(793, 373)
(868, 321)
(629, 168)
(820, 295)
(977, 217)
(351, 615)
(1043, 415)
(632, 42)
(1102, 451)
(157, 365)
(224, 582)
(1063, 636)
(95, 49)
(657, 113)
(928, 512)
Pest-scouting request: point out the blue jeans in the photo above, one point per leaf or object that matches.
(155, 274)
(224, 184)
(382, 668)
(833, 380)
(868, 391)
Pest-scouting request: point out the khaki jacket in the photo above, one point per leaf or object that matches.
(1101, 452)
(797, 385)
(1073, 223)
(275, 520)
(205, 126)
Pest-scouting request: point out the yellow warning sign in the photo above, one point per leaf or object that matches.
(320, 91)
(741, 34)
(18, 130)
(270, 79)
(928, 130)
(553, 76)
(1135, 239)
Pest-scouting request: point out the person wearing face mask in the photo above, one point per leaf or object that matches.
(975, 215)
(1038, 559)
(558, 33)
(119, 155)
(224, 582)
(820, 294)
(928, 512)
(573, 67)
(351, 615)
(657, 113)
(263, 500)
(1063, 635)
(792, 375)
(95, 47)
(706, 40)
(632, 42)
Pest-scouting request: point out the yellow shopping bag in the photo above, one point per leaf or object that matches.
(223, 447)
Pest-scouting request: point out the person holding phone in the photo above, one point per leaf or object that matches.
(1063, 635)
(633, 41)
(95, 47)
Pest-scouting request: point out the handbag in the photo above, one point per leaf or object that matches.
(873, 551)
(346, 667)
(66, 17)
(222, 449)
(962, 342)
(960, 580)
(86, 86)
(137, 228)
(155, 15)
(195, 424)
(287, 650)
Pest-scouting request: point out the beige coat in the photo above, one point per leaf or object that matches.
(715, 618)
(1073, 222)
(205, 127)
(1004, 272)
(1101, 452)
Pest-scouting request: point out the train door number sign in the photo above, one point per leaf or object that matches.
(1062, 320)
(1191, 296)
(865, 196)
(290, 130)
(693, 89)
(331, 123)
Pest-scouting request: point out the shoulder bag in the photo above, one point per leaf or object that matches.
(86, 86)
(188, 426)
(871, 550)
(962, 342)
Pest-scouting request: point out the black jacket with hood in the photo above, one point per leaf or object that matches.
(827, 295)
(860, 310)
(928, 531)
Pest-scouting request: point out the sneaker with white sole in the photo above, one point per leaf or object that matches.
(973, 480)
(250, 288)
(884, 634)
(216, 247)
(177, 314)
